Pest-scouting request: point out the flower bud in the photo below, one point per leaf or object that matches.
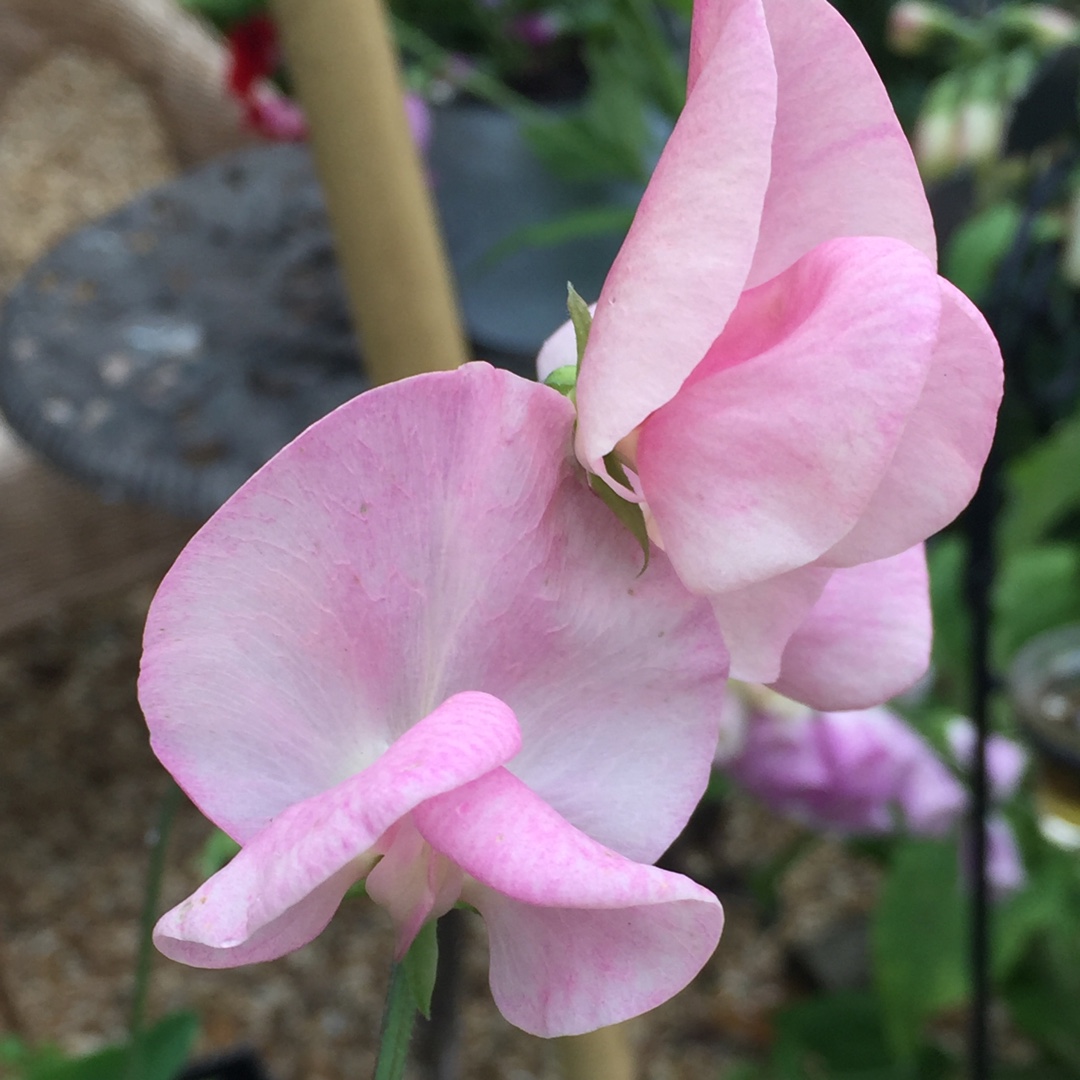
(1042, 24)
(936, 140)
(915, 25)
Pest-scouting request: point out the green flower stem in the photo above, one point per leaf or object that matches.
(397, 1026)
(170, 803)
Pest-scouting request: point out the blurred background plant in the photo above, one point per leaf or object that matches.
(593, 81)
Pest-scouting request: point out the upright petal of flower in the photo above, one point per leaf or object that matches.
(580, 936)
(773, 449)
(939, 459)
(867, 638)
(841, 164)
(282, 888)
(682, 267)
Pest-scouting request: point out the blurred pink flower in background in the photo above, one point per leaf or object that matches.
(537, 28)
(1006, 762)
(858, 772)
(867, 772)
(415, 647)
(800, 399)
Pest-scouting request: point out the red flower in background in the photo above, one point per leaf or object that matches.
(254, 56)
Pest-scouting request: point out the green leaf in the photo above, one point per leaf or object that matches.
(166, 1048)
(1035, 590)
(947, 557)
(840, 1031)
(581, 317)
(920, 940)
(1043, 488)
(421, 966)
(563, 379)
(629, 513)
(219, 849)
(978, 246)
(577, 225)
(225, 13)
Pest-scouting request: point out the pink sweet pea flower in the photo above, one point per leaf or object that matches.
(798, 396)
(860, 772)
(415, 647)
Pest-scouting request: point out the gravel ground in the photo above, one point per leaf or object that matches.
(79, 788)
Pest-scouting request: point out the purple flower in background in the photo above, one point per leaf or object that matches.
(864, 771)
(1006, 761)
(537, 28)
(867, 772)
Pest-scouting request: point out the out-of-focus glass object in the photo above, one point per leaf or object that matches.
(1044, 683)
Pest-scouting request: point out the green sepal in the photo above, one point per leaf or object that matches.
(563, 379)
(421, 964)
(581, 317)
(629, 513)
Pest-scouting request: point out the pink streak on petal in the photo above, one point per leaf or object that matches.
(682, 267)
(867, 638)
(774, 448)
(758, 621)
(939, 460)
(592, 938)
(841, 164)
(281, 889)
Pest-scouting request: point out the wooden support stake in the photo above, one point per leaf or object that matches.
(345, 69)
(599, 1055)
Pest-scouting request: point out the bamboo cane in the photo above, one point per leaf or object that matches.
(599, 1055)
(342, 60)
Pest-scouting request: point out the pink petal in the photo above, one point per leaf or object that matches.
(867, 639)
(430, 537)
(757, 621)
(939, 460)
(682, 267)
(282, 888)
(580, 936)
(771, 452)
(841, 164)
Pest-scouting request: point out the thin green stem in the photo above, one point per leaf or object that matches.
(397, 1026)
(170, 803)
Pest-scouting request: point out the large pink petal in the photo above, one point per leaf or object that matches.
(773, 449)
(867, 639)
(841, 164)
(939, 460)
(580, 936)
(282, 888)
(682, 267)
(430, 537)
